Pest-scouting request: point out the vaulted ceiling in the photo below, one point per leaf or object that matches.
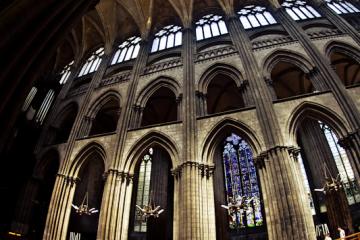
(113, 21)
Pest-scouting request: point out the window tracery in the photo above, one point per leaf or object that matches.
(300, 10)
(143, 190)
(168, 37)
(255, 16)
(342, 7)
(92, 63)
(241, 182)
(343, 165)
(127, 50)
(29, 99)
(65, 73)
(210, 26)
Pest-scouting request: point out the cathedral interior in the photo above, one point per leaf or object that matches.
(179, 119)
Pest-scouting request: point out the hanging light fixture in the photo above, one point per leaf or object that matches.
(331, 184)
(149, 210)
(84, 207)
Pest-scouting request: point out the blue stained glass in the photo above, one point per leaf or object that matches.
(241, 182)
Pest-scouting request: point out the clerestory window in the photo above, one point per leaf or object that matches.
(255, 16)
(210, 26)
(127, 50)
(92, 63)
(342, 7)
(300, 10)
(45, 106)
(65, 73)
(168, 37)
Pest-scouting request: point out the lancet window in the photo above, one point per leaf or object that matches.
(255, 16)
(92, 63)
(300, 10)
(29, 99)
(343, 165)
(127, 50)
(168, 37)
(342, 7)
(210, 26)
(45, 106)
(241, 183)
(143, 190)
(65, 73)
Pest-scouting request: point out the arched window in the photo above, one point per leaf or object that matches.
(168, 37)
(29, 99)
(45, 106)
(92, 63)
(143, 190)
(342, 7)
(306, 184)
(241, 182)
(300, 10)
(65, 73)
(343, 165)
(129, 49)
(255, 16)
(210, 26)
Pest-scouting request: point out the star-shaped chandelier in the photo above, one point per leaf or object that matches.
(84, 207)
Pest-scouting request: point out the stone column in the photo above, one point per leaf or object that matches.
(352, 148)
(246, 94)
(59, 209)
(336, 20)
(285, 216)
(25, 206)
(328, 75)
(115, 208)
(189, 200)
(179, 107)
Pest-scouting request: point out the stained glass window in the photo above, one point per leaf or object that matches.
(343, 165)
(143, 190)
(92, 63)
(65, 73)
(342, 7)
(168, 37)
(210, 26)
(299, 10)
(255, 16)
(241, 183)
(129, 49)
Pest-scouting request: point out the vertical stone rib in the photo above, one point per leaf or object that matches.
(287, 219)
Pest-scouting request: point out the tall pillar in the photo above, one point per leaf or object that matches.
(286, 218)
(115, 208)
(60, 207)
(25, 206)
(189, 201)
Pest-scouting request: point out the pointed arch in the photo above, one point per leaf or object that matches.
(219, 68)
(151, 139)
(287, 56)
(85, 154)
(62, 114)
(317, 112)
(221, 130)
(162, 81)
(342, 47)
(98, 103)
